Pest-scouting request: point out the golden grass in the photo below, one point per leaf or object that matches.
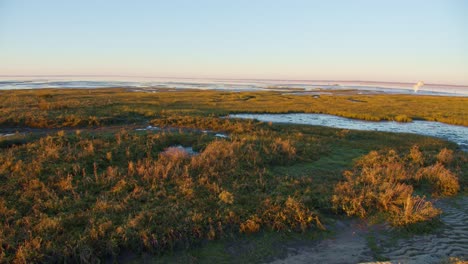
(69, 108)
(385, 183)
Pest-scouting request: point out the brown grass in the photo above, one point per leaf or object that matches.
(384, 183)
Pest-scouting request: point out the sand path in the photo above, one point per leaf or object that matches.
(350, 244)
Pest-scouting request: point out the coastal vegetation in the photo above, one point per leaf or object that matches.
(80, 183)
(74, 108)
(385, 183)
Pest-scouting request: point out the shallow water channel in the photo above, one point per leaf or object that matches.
(457, 134)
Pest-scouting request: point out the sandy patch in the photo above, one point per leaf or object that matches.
(349, 245)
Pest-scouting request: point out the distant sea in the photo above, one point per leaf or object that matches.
(148, 83)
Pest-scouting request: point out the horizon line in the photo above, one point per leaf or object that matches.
(227, 79)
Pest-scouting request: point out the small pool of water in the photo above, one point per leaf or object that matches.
(457, 134)
(188, 150)
(153, 128)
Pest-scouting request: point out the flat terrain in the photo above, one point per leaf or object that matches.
(83, 180)
(75, 107)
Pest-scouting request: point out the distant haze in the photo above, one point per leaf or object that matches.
(394, 41)
(149, 84)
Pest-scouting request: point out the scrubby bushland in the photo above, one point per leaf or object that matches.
(80, 196)
(384, 182)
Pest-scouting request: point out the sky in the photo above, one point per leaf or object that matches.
(398, 40)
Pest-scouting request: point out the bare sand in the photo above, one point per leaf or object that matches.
(350, 244)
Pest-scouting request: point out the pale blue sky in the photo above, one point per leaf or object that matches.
(398, 40)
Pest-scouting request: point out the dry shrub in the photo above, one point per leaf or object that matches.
(185, 187)
(218, 160)
(282, 150)
(173, 163)
(48, 224)
(415, 209)
(442, 180)
(51, 147)
(101, 205)
(350, 198)
(109, 156)
(29, 251)
(445, 156)
(289, 215)
(5, 213)
(121, 185)
(416, 156)
(61, 133)
(131, 168)
(71, 120)
(226, 197)
(65, 184)
(284, 147)
(112, 173)
(93, 121)
(371, 191)
(89, 148)
(251, 225)
(37, 121)
(381, 183)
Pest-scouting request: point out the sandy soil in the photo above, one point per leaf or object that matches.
(450, 241)
(349, 245)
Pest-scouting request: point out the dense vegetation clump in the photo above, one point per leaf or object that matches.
(385, 182)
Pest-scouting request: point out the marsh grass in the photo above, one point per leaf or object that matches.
(385, 182)
(83, 197)
(47, 108)
(88, 194)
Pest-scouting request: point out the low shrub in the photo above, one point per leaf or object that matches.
(385, 182)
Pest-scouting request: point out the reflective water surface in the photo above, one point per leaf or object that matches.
(457, 134)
